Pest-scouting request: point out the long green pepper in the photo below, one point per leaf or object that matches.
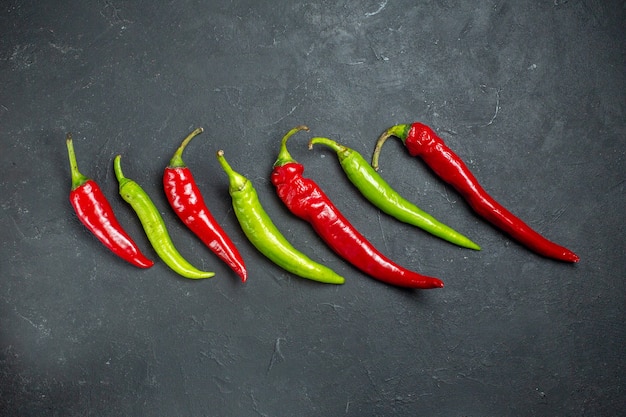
(382, 195)
(265, 236)
(154, 226)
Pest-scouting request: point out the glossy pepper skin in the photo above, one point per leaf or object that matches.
(305, 199)
(154, 226)
(265, 236)
(420, 140)
(96, 213)
(187, 202)
(373, 187)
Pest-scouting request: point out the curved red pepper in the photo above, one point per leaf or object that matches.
(187, 202)
(420, 140)
(96, 213)
(305, 199)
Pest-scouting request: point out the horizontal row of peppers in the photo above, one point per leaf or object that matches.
(306, 200)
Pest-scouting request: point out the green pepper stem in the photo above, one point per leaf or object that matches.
(78, 179)
(177, 159)
(237, 181)
(117, 167)
(399, 131)
(284, 157)
(328, 142)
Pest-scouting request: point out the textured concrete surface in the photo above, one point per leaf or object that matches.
(532, 94)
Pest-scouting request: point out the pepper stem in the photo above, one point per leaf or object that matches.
(399, 131)
(117, 167)
(284, 157)
(328, 142)
(177, 159)
(78, 179)
(237, 181)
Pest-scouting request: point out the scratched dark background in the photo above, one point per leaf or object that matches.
(532, 94)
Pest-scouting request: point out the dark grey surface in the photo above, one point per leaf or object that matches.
(530, 93)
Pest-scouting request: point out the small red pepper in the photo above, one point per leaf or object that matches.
(96, 213)
(305, 199)
(187, 202)
(420, 140)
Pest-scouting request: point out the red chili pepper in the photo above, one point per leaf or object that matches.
(420, 140)
(185, 198)
(95, 212)
(304, 198)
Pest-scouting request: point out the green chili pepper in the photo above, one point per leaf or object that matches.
(265, 236)
(382, 195)
(154, 226)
